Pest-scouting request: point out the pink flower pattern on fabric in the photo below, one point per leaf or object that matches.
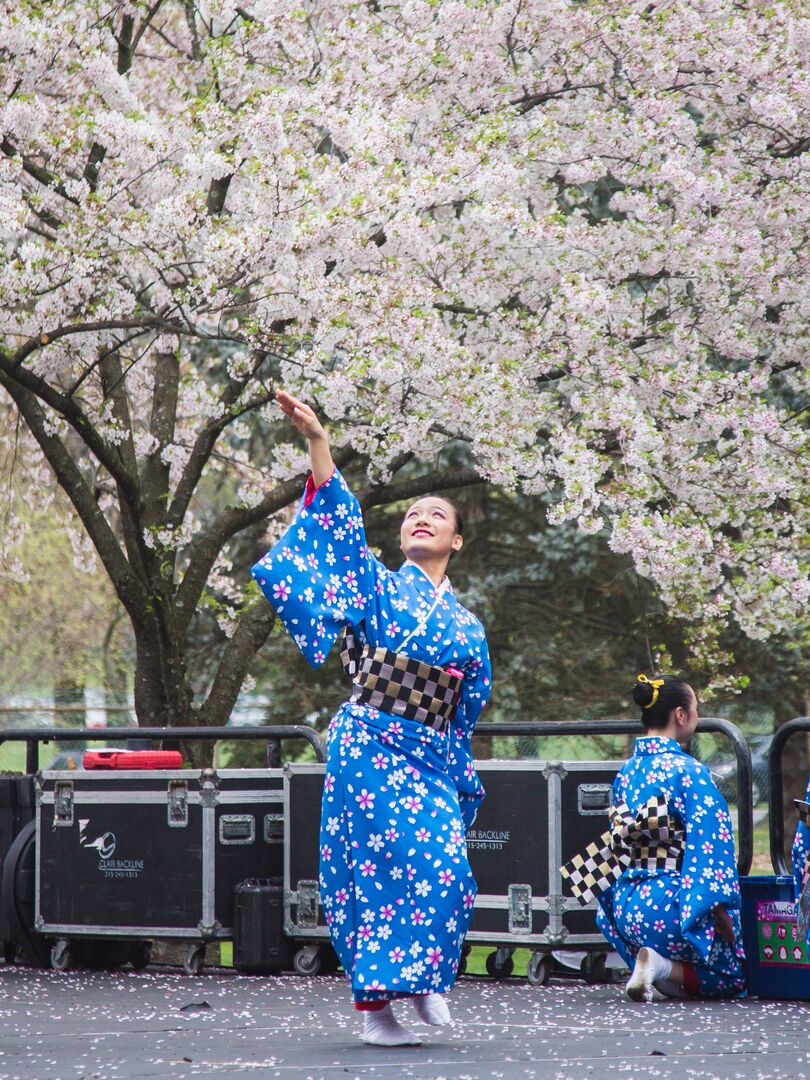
(398, 795)
(671, 910)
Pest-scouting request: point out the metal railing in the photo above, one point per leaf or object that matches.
(776, 787)
(271, 735)
(706, 725)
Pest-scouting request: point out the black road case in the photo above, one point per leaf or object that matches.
(16, 812)
(536, 816)
(152, 854)
(259, 944)
(303, 913)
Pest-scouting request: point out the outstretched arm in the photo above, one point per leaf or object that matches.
(310, 427)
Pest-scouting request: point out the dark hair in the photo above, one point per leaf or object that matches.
(658, 701)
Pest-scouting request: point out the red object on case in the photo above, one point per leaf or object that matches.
(132, 759)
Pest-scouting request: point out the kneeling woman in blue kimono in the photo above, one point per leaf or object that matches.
(400, 789)
(665, 876)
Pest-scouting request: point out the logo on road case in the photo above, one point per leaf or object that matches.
(105, 846)
(493, 839)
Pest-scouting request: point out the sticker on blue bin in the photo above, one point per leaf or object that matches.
(803, 906)
(778, 939)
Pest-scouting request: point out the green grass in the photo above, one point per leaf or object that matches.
(12, 757)
(476, 961)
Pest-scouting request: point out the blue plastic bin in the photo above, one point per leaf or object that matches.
(778, 965)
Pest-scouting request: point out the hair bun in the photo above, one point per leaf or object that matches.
(644, 693)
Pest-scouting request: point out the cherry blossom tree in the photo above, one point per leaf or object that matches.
(572, 237)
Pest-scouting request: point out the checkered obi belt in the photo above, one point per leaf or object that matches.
(648, 840)
(399, 684)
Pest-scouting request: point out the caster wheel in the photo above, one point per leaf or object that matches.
(10, 952)
(594, 968)
(462, 967)
(500, 964)
(539, 969)
(195, 958)
(62, 956)
(307, 961)
(140, 955)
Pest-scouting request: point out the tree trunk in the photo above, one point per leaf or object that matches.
(68, 697)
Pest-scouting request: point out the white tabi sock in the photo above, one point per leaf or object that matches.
(650, 968)
(381, 1028)
(432, 1009)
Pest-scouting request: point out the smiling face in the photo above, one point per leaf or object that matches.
(428, 530)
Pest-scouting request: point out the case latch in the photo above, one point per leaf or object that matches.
(63, 802)
(177, 810)
(520, 909)
(307, 904)
(237, 829)
(274, 828)
(594, 798)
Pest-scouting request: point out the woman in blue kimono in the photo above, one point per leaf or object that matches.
(400, 789)
(800, 861)
(670, 899)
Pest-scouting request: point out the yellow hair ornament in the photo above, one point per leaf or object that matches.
(656, 684)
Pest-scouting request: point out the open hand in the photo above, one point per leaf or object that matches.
(301, 415)
(723, 926)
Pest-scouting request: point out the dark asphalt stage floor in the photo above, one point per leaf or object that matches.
(82, 1024)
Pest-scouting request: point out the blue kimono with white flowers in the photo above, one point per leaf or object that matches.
(396, 885)
(799, 853)
(671, 910)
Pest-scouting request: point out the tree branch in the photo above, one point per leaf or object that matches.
(526, 102)
(125, 44)
(94, 160)
(38, 172)
(128, 588)
(252, 630)
(206, 548)
(204, 444)
(217, 193)
(74, 415)
(420, 485)
(145, 322)
(161, 427)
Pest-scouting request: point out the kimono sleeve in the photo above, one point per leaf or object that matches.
(320, 576)
(475, 691)
(709, 868)
(605, 918)
(799, 853)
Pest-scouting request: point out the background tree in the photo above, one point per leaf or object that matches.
(572, 238)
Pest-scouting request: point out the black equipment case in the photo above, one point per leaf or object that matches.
(303, 914)
(536, 816)
(152, 854)
(16, 811)
(259, 944)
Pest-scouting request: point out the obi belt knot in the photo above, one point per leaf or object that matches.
(648, 840)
